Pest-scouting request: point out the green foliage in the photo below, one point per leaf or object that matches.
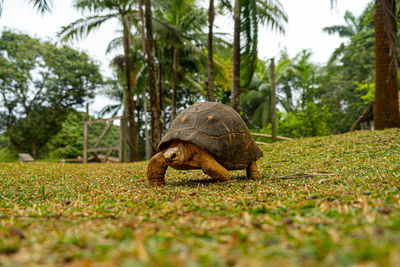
(350, 65)
(340, 90)
(68, 142)
(40, 83)
(7, 152)
(324, 201)
(313, 120)
(368, 89)
(302, 115)
(254, 12)
(7, 155)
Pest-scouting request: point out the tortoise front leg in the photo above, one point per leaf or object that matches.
(252, 171)
(156, 169)
(211, 167)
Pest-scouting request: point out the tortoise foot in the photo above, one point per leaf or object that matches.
(156, 170)
(252, 172)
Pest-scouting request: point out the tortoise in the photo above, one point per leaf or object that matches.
(210, 136)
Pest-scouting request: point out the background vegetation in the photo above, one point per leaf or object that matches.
(313, 100)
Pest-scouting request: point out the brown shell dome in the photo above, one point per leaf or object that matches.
(218, 129)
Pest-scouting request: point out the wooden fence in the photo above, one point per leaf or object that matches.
(269, 136)
(95, 149)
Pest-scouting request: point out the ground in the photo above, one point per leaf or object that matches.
(326, 201)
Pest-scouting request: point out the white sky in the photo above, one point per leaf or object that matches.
(304, 30)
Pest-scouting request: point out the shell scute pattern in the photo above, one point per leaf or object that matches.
(219, 130)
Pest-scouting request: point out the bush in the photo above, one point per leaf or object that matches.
(312, 121)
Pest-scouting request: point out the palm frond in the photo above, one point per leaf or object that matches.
(100, 6)
(167, 30)
(272, 14)
(225, 5)
(342, 31)
(266, 12)
(42, 5)
(249, 41)
(82, 27)
(110, 109)
(114, 44)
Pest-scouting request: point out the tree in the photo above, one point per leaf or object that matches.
(256, 104)
(386, 111)
(124, 11)
(273, 100)
(354, 25)
(151, 64)
(247, 15)
(235, 88)
(182, 24)
(210, 62)
(39, 84)
(352, 63)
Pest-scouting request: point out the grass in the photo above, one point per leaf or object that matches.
(346, 213)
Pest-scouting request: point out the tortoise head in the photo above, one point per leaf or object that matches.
(174, 155)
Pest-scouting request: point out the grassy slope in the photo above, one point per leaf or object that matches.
(54, 214)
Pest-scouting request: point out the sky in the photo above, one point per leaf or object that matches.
(303, 31)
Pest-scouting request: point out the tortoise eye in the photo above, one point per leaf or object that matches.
(173, 156)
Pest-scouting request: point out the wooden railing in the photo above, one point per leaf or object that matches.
(269, 136)
(94, 149)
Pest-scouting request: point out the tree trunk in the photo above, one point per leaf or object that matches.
(34, 148)
(129, 104)
(142, 28)
(146, 119)
(175, 65)
(210, 62)
(154, 101)
(160, 96)
(386, 112)
(162, 101)
(235, 90)
(273, 101)
(146, 128)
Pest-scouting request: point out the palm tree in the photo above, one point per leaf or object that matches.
(182, 23)
(257, 102)
(42, 6)
(235, 88)
(151, 64)
(124, 11)
(353, 26)
(210, 63)
(386, 111)
(253, 12)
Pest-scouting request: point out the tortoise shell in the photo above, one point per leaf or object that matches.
(218, 129)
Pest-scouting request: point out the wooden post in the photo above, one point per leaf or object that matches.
(86, 135)
(85, 141)
(273, 100)
(87, 112)
(121, 152)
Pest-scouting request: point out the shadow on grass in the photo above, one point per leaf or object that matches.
(197, 182)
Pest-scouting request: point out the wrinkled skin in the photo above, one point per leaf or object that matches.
(182, 155)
